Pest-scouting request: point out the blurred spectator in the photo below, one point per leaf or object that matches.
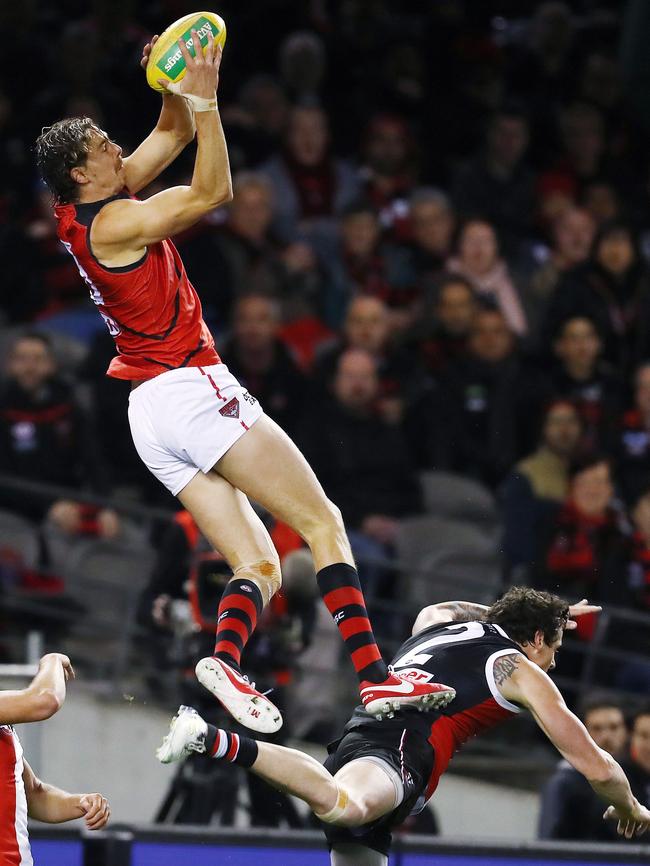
(582, 135)
(581, 376)
(365, 265)
(361, 460)
(259, 360)
(432, 225)
(535, 489)
(367, 327)
(241, 256)
(542, 69)
(633, 445)
(22, 293)
(303, 65)
(570, 808)
(310, 186)
(639, 566)
(46, 437)
(497, 184)
(573, 235)
(442, 337)
(613, 289)
(477, 259)
(486, 414)
(588, 546)
(603, 201)
(389, 171)
(255, 124)
(65, 294)
(637, 768)
(109, 399)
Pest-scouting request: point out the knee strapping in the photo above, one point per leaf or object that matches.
(265, 574)
(337, 812)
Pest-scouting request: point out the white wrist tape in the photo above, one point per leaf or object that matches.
(198, 103)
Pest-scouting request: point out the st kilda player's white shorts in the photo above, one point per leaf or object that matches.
(184, 420)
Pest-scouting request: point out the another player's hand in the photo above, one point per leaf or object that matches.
(579, 609)
(95, 810)
(63, 660)
(630, 823)
(146, 51)
(202, 72)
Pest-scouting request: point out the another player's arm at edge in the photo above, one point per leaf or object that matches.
(40, 700)
(51, 805)
(43, 697)
(128, 226)
(524, 683)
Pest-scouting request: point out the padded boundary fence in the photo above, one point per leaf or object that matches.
(147, 845)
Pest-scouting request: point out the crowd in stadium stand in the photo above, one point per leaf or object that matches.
(437, 257)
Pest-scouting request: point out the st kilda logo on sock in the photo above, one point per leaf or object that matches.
(231, 409)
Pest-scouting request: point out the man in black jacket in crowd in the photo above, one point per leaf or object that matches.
(570, 809)
(361, 459)
(45, 436)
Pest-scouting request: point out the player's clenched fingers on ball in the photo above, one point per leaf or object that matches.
(146, 52)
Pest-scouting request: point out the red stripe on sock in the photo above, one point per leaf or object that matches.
(365, 655)
(341, 597)
(231, 754)
(232, 624)
(241, 602)
(229, 648)
(354, 625)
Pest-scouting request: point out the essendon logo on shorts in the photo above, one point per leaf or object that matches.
(231, 409)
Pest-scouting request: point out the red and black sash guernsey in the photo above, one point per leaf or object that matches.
(150, 307)
(461, 655)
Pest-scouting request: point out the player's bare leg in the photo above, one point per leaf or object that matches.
(359, 793)
(267, 466)
(241, 537)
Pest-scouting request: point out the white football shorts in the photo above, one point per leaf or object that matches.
(184, 420)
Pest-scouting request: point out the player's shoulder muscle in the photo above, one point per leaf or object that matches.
(116, 221)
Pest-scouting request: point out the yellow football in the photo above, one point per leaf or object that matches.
(166, 60)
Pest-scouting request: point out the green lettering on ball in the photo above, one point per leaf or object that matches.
(173, 63)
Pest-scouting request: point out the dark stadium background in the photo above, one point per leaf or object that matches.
(517, 134)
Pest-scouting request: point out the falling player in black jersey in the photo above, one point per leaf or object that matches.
(380, 771)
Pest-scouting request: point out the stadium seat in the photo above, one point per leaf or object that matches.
(106, 578)
(443, 559)
(457, 498)
(19, 536)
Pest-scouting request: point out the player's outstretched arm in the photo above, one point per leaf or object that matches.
(526, 684)
(448, 611)
(127, 226)
(54, 806)
(468, 611)
(174, 130)
(43, 697)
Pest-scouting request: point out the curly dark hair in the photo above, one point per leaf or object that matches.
(523, 611)
(60, 148)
